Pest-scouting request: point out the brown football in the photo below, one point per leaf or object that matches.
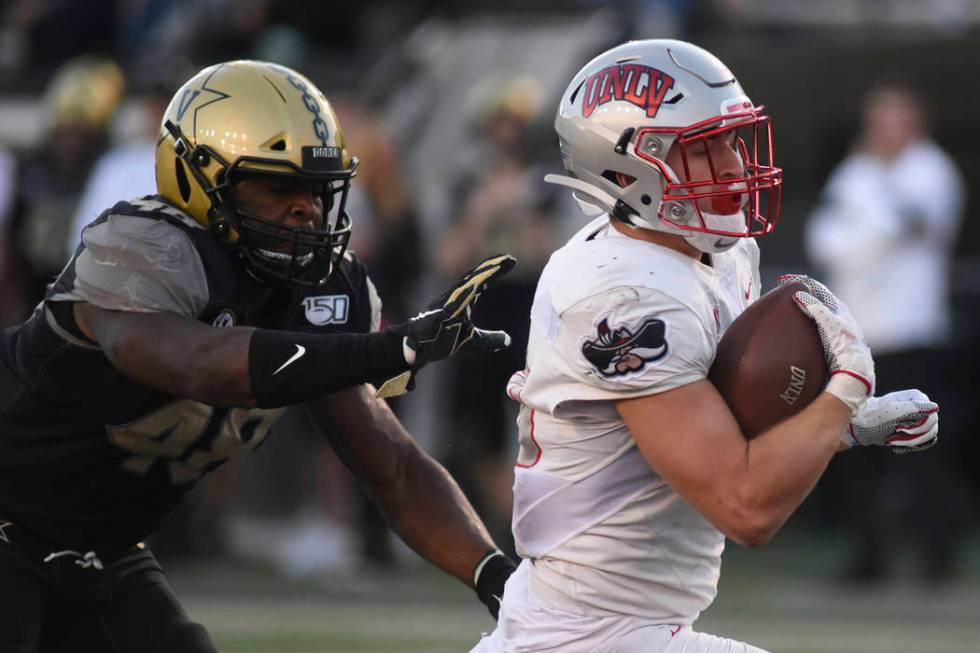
(770, 363)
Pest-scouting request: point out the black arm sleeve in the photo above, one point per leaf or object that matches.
(288, 367)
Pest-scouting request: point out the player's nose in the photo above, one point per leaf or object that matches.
(728, 163)
(302, 209)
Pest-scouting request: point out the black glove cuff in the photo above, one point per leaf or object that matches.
(287, 367)
(490, 576)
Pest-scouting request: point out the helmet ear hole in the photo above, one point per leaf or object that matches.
(183, 185)
(621, 179)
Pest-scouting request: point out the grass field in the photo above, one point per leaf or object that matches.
(782, 597)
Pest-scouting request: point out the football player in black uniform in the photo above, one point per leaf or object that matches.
(170, 343)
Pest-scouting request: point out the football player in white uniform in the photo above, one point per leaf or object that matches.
(632, 470)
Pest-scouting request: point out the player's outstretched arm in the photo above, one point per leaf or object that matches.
(417, 496)
(237, 366)
(243, 366)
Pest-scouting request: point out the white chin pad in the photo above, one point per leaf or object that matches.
(713, 243)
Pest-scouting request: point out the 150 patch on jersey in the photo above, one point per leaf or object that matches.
(326, 309)
(623, 349)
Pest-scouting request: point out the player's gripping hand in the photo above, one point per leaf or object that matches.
(852, 373)
(445, 326)
(904, 421)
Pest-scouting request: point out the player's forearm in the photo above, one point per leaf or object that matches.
(270, 368)
(431, 514)
(783, 464)
(415, 493)
(238, 366)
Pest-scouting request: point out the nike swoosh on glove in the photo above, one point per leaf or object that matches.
(905, 421)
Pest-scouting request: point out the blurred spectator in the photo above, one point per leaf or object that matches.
(884, 235)
(45, 33)
(80, 102)
(386, 236)
(126, 170)
(504, 207)
(888, 223)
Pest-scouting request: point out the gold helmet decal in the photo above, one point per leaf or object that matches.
(249, 117)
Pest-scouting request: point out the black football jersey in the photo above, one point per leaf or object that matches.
(92, 460)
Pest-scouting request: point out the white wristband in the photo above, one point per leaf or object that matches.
(483, 563)
(852, 390)
(408, 352)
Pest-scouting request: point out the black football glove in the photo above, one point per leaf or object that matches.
(445, 326)
(490, 577)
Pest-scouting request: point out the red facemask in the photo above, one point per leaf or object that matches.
(757, 192)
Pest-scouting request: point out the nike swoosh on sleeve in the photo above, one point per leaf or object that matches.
(300, 350)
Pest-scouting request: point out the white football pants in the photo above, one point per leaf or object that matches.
(527, 627)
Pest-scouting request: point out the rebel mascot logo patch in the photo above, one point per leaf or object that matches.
(623, 350)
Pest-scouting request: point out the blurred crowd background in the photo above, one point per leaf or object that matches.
(449, 106)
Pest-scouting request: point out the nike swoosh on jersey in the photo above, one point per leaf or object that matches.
(300, 350)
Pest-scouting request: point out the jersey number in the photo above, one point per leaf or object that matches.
(191, 437)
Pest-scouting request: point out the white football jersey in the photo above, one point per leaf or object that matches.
(615, 317)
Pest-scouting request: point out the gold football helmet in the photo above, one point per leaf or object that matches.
(245, 118)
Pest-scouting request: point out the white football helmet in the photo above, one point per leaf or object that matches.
(624, 111)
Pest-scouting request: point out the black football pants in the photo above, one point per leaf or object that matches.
(69, 605)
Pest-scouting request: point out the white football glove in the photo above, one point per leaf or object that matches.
(516, 383)
(905, 421)
(852, 370)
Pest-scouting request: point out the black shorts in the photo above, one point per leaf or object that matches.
(68, 604)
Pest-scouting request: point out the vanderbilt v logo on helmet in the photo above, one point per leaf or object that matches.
(255, 118)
